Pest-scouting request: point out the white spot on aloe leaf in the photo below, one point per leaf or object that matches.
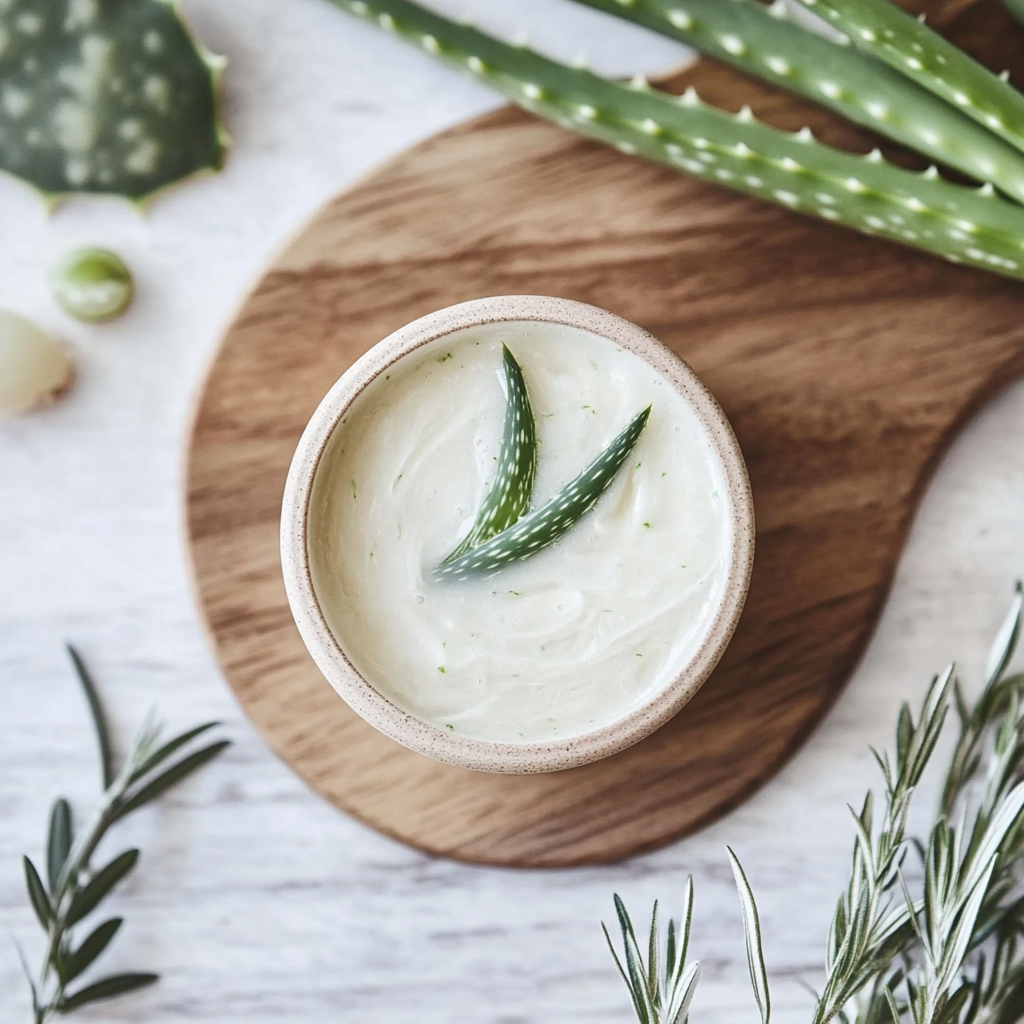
(77, 171)
(144, 158)
(81, 14)
(157, 90)
(29, 23)
(130, 129)
(76, 120)
(16, 102)
(680, 18)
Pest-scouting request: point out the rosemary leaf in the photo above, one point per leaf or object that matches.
(752, 932)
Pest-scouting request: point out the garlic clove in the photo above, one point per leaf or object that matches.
(34, 369)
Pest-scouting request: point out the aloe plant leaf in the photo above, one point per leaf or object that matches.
(87, 899)
(880, 28)
(99, 717)
(59, 842)
(509, 495)
(762, 41)
(964, 225)
(105, 96)
(37, 894)
(183, 768)
(543, 527)
(97, 941)
(106, 988)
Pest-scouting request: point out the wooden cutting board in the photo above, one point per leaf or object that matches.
(844, 363)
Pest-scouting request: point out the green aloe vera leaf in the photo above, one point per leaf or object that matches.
(1016, 8)
(880, 28)
(547, 524)
(105, 96)
(964, 225)
(761, 41)
(509, 495)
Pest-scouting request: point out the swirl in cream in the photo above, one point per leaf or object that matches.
(561, 643)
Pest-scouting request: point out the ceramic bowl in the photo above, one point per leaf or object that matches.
(430, 739)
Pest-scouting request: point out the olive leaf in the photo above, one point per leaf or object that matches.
(105, 96)
(98, 715)
(58, 844)
(97, 941)
(116, 985)
(76, 887)
(86, 900)
(37, 894)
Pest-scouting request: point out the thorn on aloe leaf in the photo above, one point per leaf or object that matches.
(115, 98)
(794, 56)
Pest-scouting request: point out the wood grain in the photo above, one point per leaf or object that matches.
(844, 363)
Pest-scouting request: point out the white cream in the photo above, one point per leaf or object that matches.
(558, 644)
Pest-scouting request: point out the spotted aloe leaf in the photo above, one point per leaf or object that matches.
(547, 524)
(509, 495)
(763, 41)
(880, 28)
(964, 225)
(105, 96)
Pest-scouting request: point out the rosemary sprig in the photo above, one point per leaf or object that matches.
(75, 887)
(952, 953)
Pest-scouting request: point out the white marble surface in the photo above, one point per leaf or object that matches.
(256, 901)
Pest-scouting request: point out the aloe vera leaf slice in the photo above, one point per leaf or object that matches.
(105, 96)
(509, 496)
(547, 524)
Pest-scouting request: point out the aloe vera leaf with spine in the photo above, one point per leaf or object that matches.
(961, 224)
(761, 41)
(509, 496)
(547, 524)
(880, 28)
(105, 96)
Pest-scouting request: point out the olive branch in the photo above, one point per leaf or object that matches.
(75, 887)
(950, 952)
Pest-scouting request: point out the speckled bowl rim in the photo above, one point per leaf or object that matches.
(442, 744)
